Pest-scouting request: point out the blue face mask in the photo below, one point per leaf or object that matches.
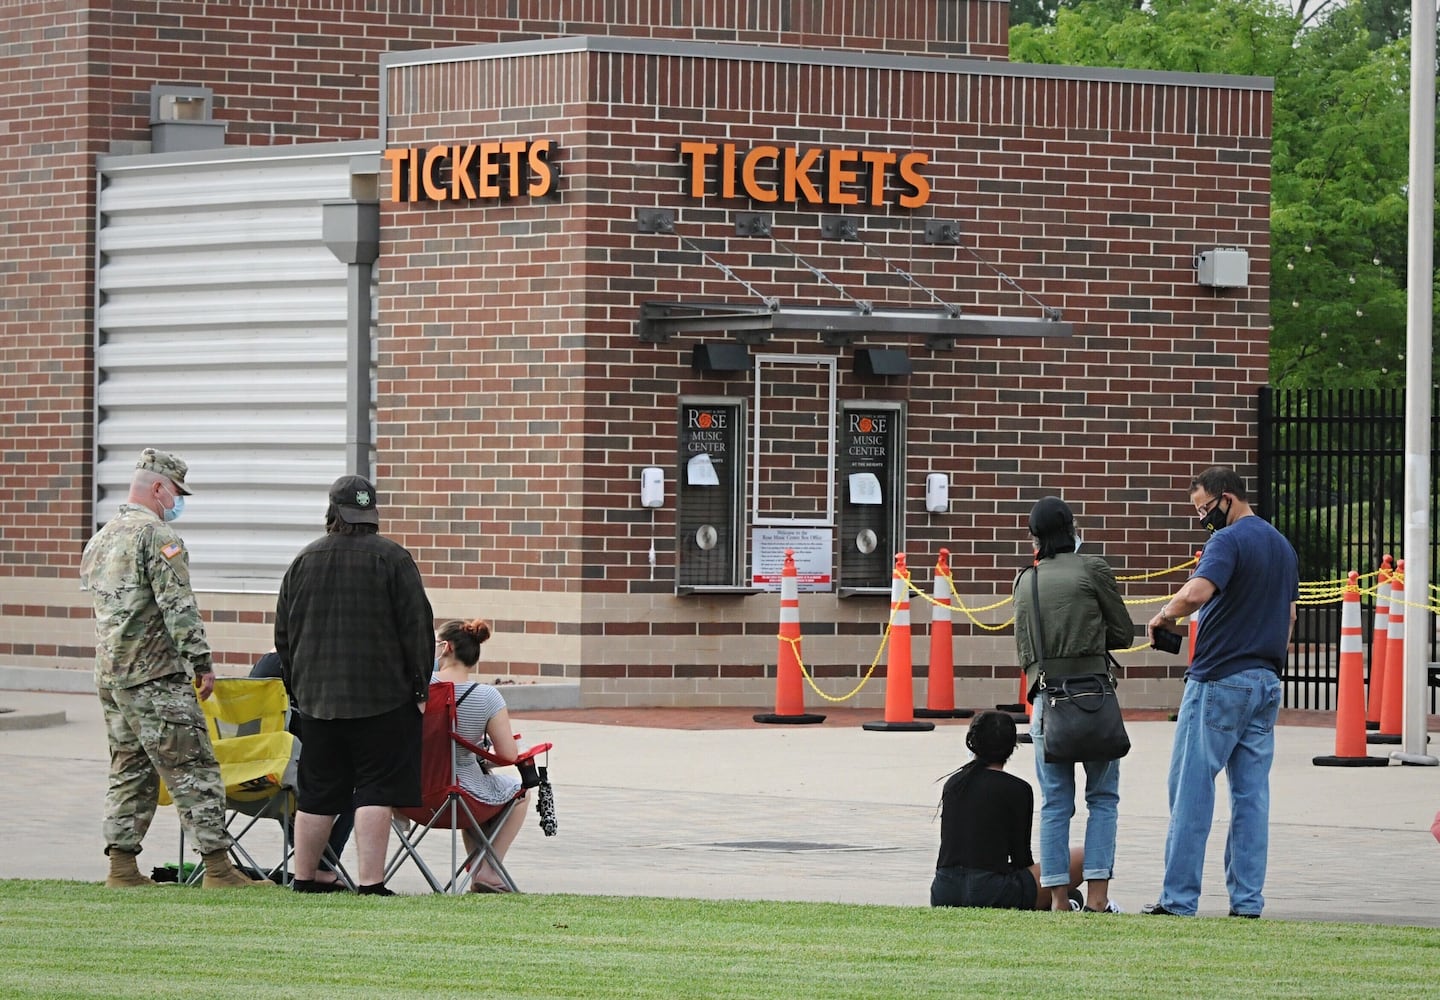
(173, 512)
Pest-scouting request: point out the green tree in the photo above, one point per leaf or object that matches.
(1340, 155)
(1339, 209)
(1037, 13)
(1032, 12)
(1246, 37)
(1386, 20)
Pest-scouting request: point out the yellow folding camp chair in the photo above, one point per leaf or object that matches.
(258, 760)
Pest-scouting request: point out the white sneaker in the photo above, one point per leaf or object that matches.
(1110, 907)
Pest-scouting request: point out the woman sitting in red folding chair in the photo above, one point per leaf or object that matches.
(480, 715)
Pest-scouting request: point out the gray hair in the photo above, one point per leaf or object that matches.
(144, 479)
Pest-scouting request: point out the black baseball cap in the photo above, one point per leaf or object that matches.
(354, 500)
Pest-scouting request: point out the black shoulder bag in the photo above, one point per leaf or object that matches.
(1081, 719)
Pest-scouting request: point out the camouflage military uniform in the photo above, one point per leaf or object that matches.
(149, 641)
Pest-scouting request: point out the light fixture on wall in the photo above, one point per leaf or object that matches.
(182, 119)
(719, 357)
(881, 362)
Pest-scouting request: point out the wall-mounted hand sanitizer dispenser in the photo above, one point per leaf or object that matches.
(937, 493)
(652, 487)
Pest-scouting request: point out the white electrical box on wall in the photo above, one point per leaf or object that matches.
(1223, 268)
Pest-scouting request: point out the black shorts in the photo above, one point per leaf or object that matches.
(976, 887)
(374, 761)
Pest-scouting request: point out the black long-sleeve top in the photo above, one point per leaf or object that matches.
(986, 825)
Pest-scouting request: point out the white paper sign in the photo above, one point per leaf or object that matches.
(700, 471)
(865, 489)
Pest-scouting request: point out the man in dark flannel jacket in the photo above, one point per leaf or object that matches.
(356, 639)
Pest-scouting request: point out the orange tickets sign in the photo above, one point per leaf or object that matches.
(805, 176)
(479, 172)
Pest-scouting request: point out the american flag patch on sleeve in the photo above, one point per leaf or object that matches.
(172, 550)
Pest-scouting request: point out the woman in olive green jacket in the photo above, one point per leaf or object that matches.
(1081, 615)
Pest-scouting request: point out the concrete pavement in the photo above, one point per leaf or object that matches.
(827, 812)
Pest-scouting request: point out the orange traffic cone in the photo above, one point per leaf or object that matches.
(789, 682)
(1350, 712)
(1019, 707)
(899, 683)
(1022, 722)
(1019, 710)
(940, 690)
(1392, 704)
(1379, 645)
(1194, 623)
(1194, 619)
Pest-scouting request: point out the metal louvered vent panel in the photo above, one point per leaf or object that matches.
(220, 335)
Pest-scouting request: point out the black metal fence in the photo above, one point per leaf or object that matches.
(1332, 480)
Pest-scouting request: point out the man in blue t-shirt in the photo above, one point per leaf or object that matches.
(1243, 594)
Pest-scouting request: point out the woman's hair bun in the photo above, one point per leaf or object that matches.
(479, 628)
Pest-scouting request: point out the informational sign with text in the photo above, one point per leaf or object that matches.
(813, 564)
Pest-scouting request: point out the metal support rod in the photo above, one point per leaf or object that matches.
(770, 302)
(862, 305)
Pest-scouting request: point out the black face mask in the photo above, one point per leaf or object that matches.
(1215, 518)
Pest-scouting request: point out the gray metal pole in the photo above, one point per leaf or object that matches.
(359, 443)
(351, 229)
(1418, 340)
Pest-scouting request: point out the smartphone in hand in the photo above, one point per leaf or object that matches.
(1165, 640)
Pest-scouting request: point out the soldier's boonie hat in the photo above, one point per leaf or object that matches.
(354, 500)
(167, 465)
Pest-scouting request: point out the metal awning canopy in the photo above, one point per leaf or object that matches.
(754, 324)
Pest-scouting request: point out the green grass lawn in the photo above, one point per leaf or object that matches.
(71, 939)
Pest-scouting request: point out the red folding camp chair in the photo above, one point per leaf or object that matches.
(447, 806)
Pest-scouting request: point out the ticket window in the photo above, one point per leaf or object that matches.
(793, 470)
(871, 511)
(709, 488)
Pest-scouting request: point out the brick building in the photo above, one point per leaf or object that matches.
(798, 257)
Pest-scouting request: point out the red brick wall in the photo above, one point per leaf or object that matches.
(306, 70)
(480, 380)
(48, 119)
(1093, 196)
(511, 365)
(77, 82)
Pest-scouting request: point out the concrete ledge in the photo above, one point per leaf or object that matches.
(520, 697)
(46, 679)
(22, 719)
(539, 697)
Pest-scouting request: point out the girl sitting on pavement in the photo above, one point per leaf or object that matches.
(985, 819)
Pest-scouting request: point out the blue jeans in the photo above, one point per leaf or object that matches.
(1057, 805)
(1229, 724)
